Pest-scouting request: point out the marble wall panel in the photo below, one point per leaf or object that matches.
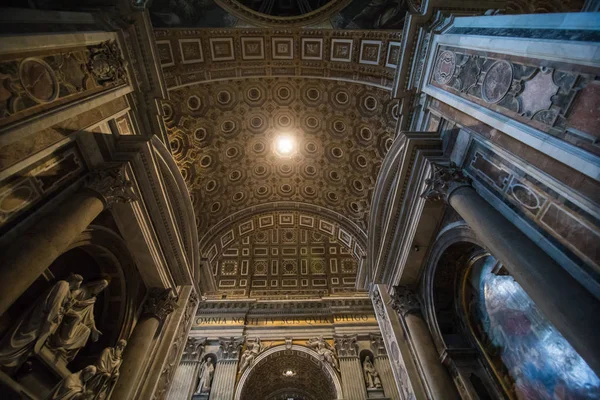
(559, 99)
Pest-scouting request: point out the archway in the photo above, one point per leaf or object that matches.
(309, 379)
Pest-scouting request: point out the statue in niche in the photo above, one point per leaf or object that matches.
(38, 323)
(206, 372)
(371, 375)
(107, 370)
(75, 386)
(325, 350)
(78, 323)
(253, 349)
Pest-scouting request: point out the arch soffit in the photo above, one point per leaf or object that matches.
(271, 215)
(328, 368)
(179, 200)
(458, 233)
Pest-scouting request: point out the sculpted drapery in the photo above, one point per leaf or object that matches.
(40, 321)
(206, 373)
(107, 370)
(75, 386)
(371, 375)
(78, 324)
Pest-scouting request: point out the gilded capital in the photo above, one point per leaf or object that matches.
(159, 304)
(444, 180)
(405, 301)
(194, 348)
(377, 344)
(112, 185)
(229, 348)
(346, 346)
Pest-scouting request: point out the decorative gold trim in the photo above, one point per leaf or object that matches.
(270, 21)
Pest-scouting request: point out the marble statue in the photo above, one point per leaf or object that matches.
(31, 330)
(74, 386)
(78, 324)
(371, 375)
(107, 370)
(253, 349)
(325, 350)
(206, 372)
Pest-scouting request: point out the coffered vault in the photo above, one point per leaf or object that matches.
(232, 95)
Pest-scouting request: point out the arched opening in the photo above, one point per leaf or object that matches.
(508, 346)
(295, 373)
(529, 357)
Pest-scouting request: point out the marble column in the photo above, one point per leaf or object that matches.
(436, 376)
(24, 259)
(353, 382)
(383, 366)
(571, 308)
(223, 384)
(186, 375)
(159, 304)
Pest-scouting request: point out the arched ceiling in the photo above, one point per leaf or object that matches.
(232, 93)
(266, 378)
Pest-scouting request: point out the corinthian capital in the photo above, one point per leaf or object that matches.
(112, 185)
(405, 301)
(346, 346)
(229, 348)
(159, 304)
(443, 181)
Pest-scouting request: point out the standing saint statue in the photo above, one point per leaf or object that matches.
(78, 324)
(371, 375)
(253, 349)
(32, 329)
(325, 350)
(107, 370)
(206, 372)
(74, 386)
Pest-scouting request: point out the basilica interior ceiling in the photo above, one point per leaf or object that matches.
(233, 94)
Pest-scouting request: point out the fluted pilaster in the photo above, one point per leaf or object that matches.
(383, 366)
(184, 381)
(353, 382)
(223, 385)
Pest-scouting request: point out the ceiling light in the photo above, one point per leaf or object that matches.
(289, 373)
(285, 145)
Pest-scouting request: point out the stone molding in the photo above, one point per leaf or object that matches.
(229, 348)
(346, 346)
(444, 180)
(112, 185)
(159, 304)
(405, 301)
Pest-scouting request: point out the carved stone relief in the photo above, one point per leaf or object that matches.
(346, 346)
(253, 348)
(40, 82)
(325, 350)
(229, 348)
(112, 185)
(539, 93)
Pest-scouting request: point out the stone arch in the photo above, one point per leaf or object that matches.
(298, 350)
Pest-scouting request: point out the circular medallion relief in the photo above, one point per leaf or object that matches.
(253, 94)
(224, 97)
(38, 80)
(313, 94)
(342, 97)
(370, 103)
(444, 67)
(497, 81)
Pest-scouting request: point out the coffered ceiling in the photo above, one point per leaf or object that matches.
(231, 97)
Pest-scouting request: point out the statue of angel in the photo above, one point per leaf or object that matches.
(325, 350)
(253, 349)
